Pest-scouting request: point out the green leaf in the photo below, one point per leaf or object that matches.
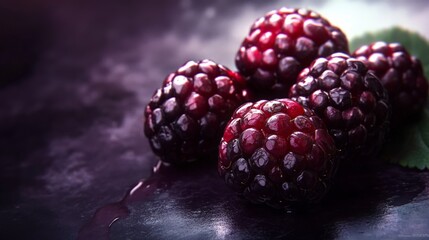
(409, 146)
(415, 43)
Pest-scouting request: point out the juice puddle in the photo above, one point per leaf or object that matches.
(160, 179)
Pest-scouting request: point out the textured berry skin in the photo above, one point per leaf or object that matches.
(350, 100)
(400, 73)
(185, 118)
(277, 152)
(282, 43)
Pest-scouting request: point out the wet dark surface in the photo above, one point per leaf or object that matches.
(71, 138)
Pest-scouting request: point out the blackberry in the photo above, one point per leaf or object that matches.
(350, 99)
(282, 43)
(185, 118)
(400, 73)
(277, 152)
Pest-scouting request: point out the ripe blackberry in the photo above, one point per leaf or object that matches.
(400, 73)
(185, 118)
(282, 43)
(349, 98)
(277, 152)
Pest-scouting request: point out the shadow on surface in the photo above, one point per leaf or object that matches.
(195, 203)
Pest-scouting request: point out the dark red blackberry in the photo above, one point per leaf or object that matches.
(400, 73)
(185, 118)
(349, 98)
(277, 152)
(282, 43)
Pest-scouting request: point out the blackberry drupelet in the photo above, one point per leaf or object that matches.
(277, 152)
(350, 100)
(185, 118)
(282, 43)
(400, 73)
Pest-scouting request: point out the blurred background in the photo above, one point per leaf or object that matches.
(75, 77)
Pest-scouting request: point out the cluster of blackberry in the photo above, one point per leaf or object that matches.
(299, 104)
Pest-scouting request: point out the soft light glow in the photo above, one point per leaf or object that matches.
(221, 228)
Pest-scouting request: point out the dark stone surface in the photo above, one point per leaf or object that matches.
(71, 137)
